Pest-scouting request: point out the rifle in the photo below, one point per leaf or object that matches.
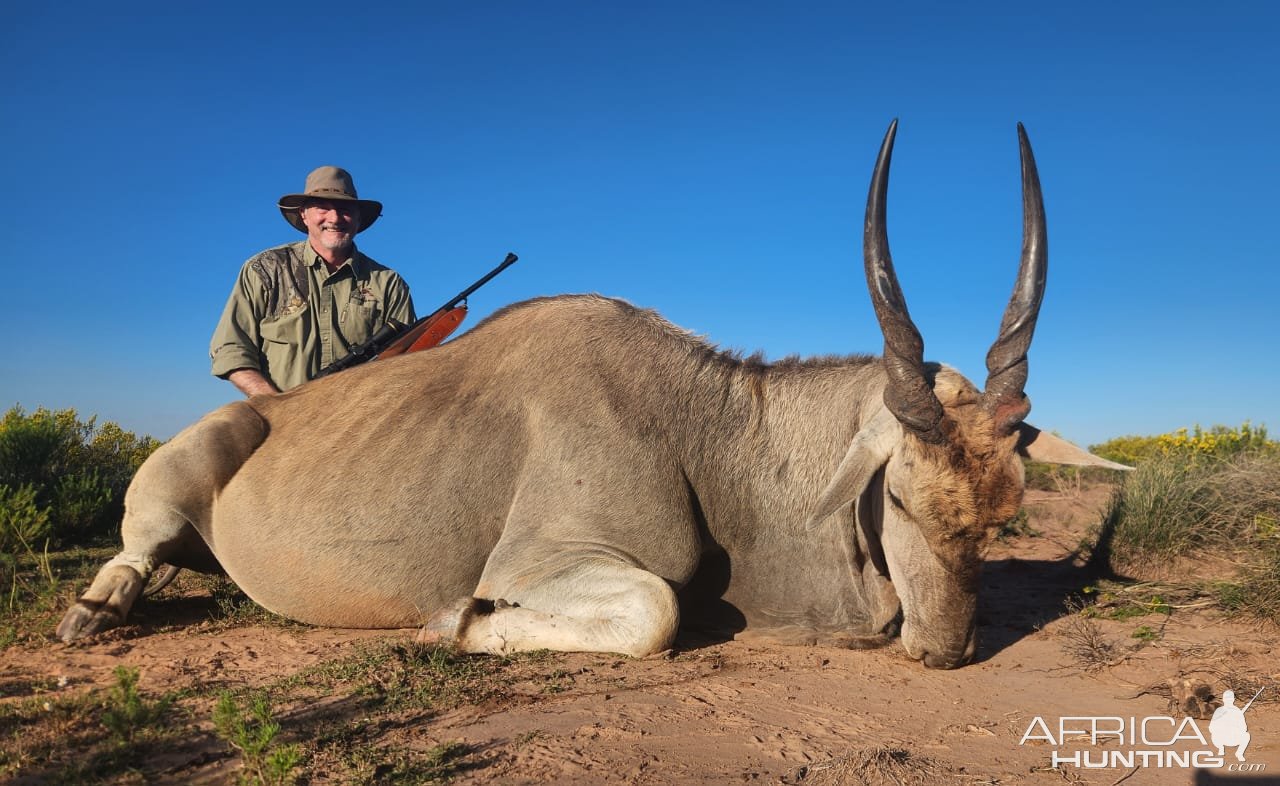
(1251, 701)
(396, 338)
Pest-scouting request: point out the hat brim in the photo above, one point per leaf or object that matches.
(290, 207)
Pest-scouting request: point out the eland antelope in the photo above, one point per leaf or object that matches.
(575, 473)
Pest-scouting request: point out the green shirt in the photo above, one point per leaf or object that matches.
(288, 316)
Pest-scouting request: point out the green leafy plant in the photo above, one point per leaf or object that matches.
(1115, 601)
(22, 525)
(127, 714)
(253, 733)
(22, 521)
(82, 505)
(77, 470)
(1145, 633)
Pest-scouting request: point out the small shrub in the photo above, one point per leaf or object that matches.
(23, 529)
(1084, 641)
(881, 764)
(127, 713)
(254, 735)
(1255, 591)
(1161, 510)
(22, 521)
(1145, 634)
(1018, 526)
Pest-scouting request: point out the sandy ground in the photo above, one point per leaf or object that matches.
(734, 711)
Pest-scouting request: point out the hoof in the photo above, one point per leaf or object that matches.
(104, 605)
(446, 626)
(83, 620)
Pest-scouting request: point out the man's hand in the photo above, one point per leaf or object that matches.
(251, 382)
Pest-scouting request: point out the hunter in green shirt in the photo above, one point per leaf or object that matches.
(297, 308)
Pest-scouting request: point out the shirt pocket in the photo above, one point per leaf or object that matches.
(359, 320)
(283, 341)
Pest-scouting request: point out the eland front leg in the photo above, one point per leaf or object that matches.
(168, 501)
(558, 597)
(149, 541)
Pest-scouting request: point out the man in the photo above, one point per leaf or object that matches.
(1228, 728)
(298, 307)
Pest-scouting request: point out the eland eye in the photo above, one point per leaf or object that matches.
(897, 503)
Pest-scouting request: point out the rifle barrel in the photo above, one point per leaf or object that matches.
(464, 294)
(1255, 696)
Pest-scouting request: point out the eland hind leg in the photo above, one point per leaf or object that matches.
(167, 503)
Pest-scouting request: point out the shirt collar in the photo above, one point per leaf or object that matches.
(358, 262)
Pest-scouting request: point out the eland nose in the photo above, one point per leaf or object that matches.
(951, 659)
(934, 661)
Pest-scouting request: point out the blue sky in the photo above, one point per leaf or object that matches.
(709, 160)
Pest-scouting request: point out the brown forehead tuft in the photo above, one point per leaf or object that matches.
(952, 389)
(978, 482)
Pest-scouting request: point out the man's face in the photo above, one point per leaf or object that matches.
(331, 224)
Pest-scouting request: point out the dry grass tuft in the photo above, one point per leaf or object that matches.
(1085, 642)
(879, 766)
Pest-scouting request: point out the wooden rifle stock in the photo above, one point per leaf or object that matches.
(427, 333)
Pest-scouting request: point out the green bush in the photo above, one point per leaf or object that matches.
(76, 470)
(22, 522)
(82, 506)
(1173, 504)
(1128, 450)
(1216, 441)
(1188, 500)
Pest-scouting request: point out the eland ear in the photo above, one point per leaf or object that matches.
(1042, 446)
(870, 449)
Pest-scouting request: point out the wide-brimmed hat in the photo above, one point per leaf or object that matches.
(334, 184)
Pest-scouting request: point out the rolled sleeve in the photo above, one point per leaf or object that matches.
(236, 341)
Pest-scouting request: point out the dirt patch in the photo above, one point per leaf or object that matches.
(367, 707)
